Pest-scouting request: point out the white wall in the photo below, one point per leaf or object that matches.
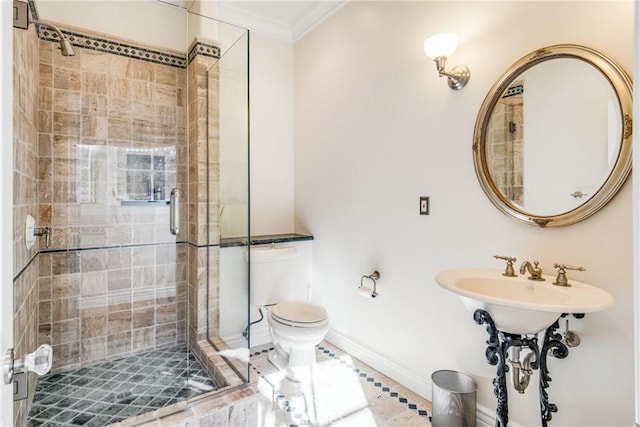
(271, 91)
(128, 19)
(375, 128)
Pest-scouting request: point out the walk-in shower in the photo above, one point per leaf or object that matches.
(141, 320)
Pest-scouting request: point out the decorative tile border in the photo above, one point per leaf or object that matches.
(204, 49)
(301, 419)
(32, 8)
(109, 46)
(513, 91)
(101, 44)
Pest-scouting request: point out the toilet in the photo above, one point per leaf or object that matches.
(295, 326)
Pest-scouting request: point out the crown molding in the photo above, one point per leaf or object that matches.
(311, 17)
(319, 11)
(259, 24)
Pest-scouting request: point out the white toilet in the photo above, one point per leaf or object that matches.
(295, 326)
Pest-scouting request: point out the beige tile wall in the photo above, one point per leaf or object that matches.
(204, 178)
(105, 303)
(114, 282)
(25, 268)
(25, 122)
(96, 108)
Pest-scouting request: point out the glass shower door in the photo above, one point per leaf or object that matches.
(228, 123)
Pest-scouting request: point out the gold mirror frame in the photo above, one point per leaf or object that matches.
(622, 86)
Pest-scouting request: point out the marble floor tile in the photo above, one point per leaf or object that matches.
(342, 391)
(113, 391)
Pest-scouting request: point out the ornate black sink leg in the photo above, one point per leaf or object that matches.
(498, 346)
(552, 343)
(496, 356)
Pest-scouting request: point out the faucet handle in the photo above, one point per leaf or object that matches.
(508, 271)
(561, 279)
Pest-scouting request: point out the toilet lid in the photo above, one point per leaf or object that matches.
(299, 312)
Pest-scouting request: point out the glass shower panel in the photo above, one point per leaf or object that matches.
(113, 295)
(118, 275)
(139, 318)
(228, 129)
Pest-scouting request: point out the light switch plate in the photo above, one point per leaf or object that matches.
(424, 206)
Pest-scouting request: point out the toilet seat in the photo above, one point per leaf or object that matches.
(298, 314)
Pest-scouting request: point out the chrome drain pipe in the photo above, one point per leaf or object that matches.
(521, 371)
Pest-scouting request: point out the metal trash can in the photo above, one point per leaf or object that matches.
(453, 399)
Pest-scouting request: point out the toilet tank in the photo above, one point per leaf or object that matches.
(271, 274)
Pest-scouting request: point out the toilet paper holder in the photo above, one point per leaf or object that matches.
(373, 277)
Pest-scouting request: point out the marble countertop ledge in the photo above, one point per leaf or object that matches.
(265, 239)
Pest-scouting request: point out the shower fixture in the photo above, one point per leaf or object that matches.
(65, 44)
(21, 20)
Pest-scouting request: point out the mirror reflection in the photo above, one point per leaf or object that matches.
(553, 135)
(552, 140)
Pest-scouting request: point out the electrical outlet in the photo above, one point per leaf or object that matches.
(424, 206)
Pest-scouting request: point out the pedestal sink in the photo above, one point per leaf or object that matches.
(515, 310)
(518, 305)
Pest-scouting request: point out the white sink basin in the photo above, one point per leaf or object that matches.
(518, 305)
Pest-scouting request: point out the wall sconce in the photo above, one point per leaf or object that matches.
(439, 47)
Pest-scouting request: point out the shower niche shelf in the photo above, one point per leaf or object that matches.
(143, 202)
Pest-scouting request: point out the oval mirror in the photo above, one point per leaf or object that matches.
(552, 141)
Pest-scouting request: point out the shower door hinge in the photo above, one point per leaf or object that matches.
(20, 14)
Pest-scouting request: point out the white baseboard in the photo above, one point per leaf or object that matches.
(417, 383)
(260, 337)
(485, 417)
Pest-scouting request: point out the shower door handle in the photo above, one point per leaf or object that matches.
(15, 370)
(174, 212)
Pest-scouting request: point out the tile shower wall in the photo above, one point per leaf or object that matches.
(204, 178)
(25, 267)
(112, 140)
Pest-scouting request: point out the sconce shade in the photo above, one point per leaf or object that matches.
(438, 48)
(443, 44)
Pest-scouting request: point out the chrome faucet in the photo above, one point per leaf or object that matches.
(534, 270)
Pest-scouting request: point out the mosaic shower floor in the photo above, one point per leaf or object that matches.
(110, 392)
(342, 391)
